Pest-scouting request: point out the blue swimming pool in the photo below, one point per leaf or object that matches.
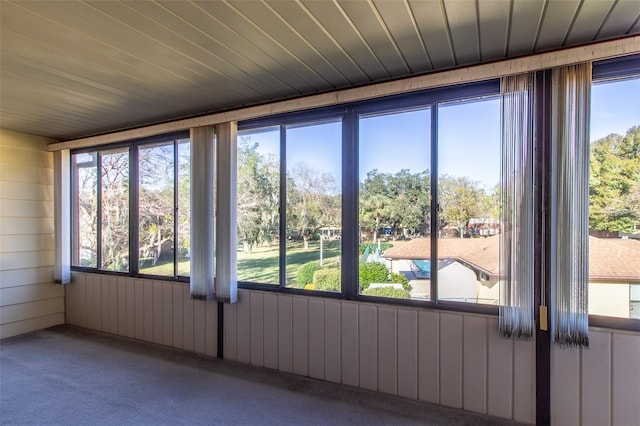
(424, 266)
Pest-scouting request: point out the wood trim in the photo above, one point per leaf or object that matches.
(591, 52)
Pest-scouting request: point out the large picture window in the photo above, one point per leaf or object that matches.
(614, 198)
(135, 195)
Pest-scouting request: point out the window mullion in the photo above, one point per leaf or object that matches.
(99, 210)
(350, 220)
(134, 216)
(175, 208)
(283, 208)
(434, 206)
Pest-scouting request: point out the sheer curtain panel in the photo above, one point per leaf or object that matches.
(516, 208)
(571, 92)
(202, 247)
(62, 216)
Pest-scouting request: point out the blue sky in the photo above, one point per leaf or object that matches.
(469, 136)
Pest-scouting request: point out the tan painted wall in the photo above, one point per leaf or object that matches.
(609, 299)
(453, 359)
(28, 298)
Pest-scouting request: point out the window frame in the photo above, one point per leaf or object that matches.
(349, 114)
(132, 147)
(611, 70)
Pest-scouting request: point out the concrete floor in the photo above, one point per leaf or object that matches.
(66, 375)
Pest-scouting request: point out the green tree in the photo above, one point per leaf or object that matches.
(460, 200)
(614, 184)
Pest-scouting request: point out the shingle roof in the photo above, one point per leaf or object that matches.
(610, 259)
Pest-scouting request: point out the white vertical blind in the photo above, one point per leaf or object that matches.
(516, 208)
(571, 92)
(226, 214)
(202, 248)
(62, 216)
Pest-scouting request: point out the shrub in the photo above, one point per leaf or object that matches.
(372, 273)
(386, 292)
(305, 273)
(400, 279)
(327, 279)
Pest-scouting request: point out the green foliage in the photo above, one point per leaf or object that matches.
(305, 273)
(387, 292)
(614, 184)
(327, 280)
(372, 272)
(400, 279)
(383, 247)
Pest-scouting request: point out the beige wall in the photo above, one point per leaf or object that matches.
(453, 359)
(28, 298)
(609, 299)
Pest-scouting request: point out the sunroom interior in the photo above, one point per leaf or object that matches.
(220, 177)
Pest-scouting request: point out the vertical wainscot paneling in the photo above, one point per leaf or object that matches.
(243, 327)
(257, 329)
(158, 312)
(122, 306)
(316, 338)
(475, 364)
(139, 309)
(188, 329)
(147, 310)
(596, 380)
(285, 333)
(500, 374)
(407, 353)
(94, 300)
(451, 360)
(270, 327)
(429, 357)
(565, 386)
(167, 313)
(626, 379)
(231, 332)
(524, 370)
(300, 333)
(178, 315)
(349, 344)
(199, 326)
(131, 308)
(211, 324)
(368, 344)
(332, 341)
(387, 350)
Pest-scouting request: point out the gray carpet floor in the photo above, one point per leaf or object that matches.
(70, 376)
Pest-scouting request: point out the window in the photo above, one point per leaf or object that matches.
(308, 178)
(614, 198)
(372, 168)
(107, 214)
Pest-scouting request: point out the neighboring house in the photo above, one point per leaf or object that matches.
(468, 270)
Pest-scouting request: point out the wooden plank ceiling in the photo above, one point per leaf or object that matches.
(71, 69)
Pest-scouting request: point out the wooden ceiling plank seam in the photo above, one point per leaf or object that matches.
(635, 27)
(557, 21)
(479, 72)
(361, 36)
(228, 67)
(418, 32)
(289, 73)
(386, 31)
(526, 22)
(179, 52)
(606, 19)
(448, 32)
(464, 32)
(493, 25)
(168, 71)
(430, 19)
(365, 20)
(103, 66)
(507, 38)
(280, 45)
(620, 20)
(540, 22)
(306, 42)
(590, 20)
(49, 65)
(333, 39)
(244, 57)
(576, 13)
(252, 34)
(478, 34)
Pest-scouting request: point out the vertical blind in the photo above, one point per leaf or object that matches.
(516, 208)
(571, 92)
